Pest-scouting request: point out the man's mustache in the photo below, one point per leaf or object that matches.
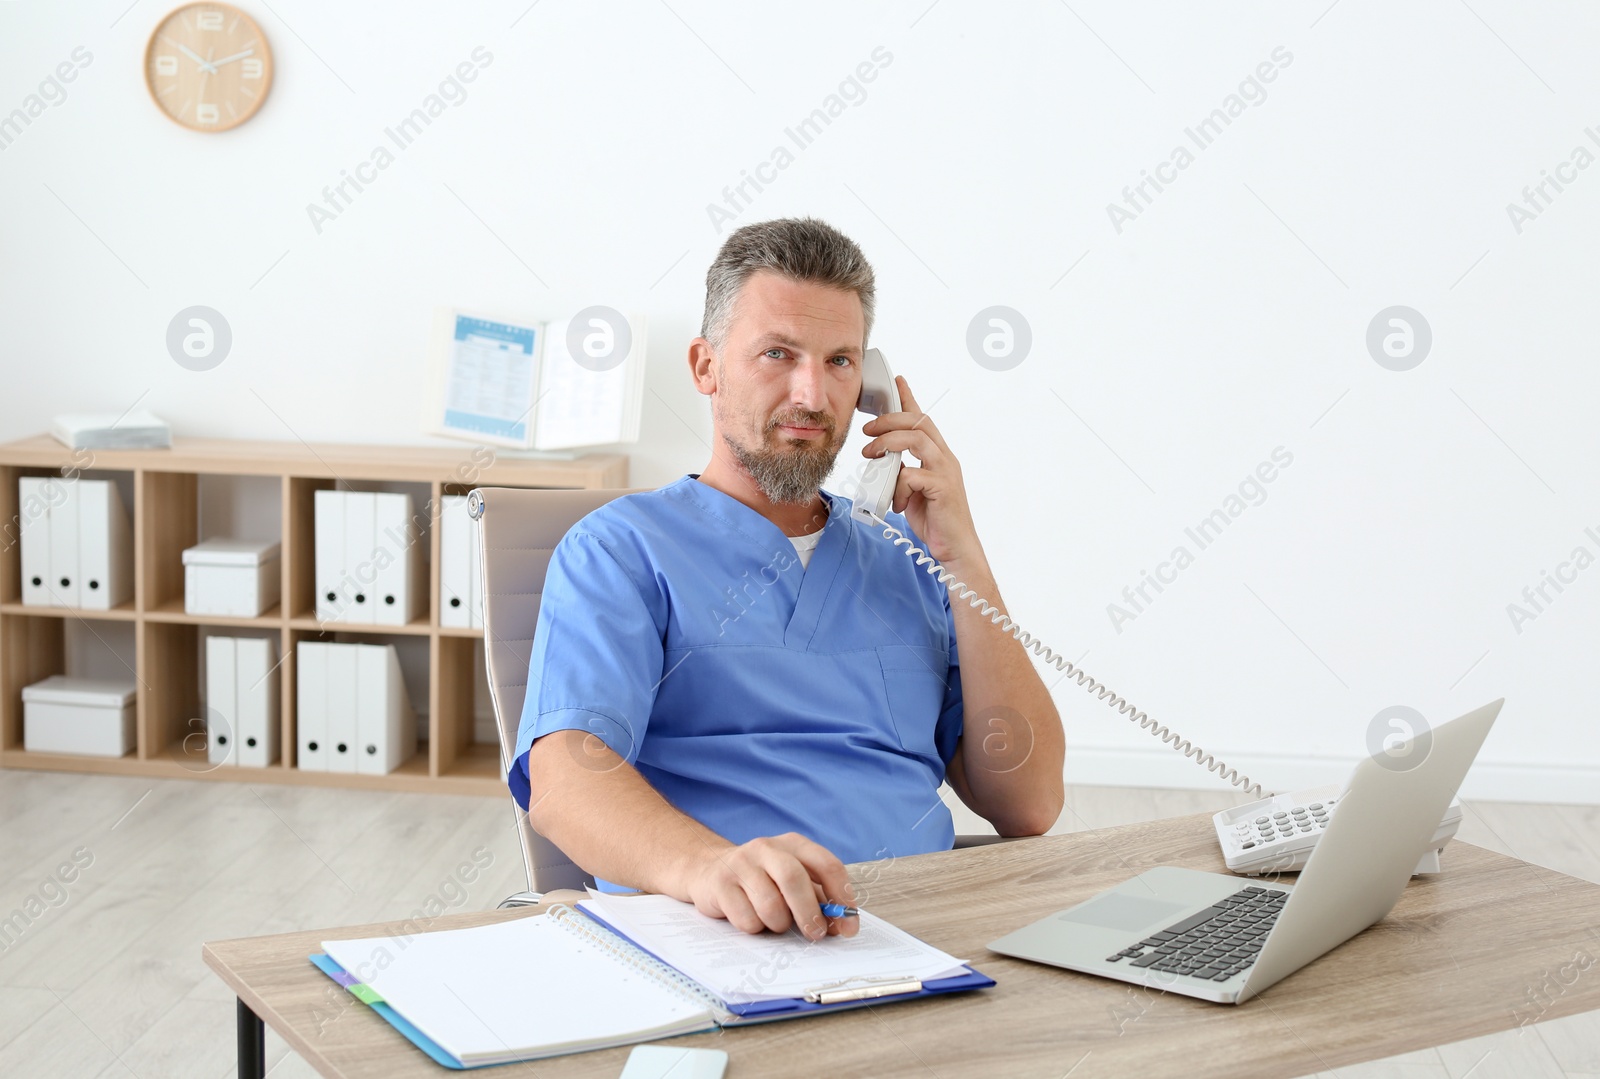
(804, 419)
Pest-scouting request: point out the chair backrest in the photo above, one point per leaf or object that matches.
(518, 530)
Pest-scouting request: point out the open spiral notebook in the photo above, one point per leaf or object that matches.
(615, 970)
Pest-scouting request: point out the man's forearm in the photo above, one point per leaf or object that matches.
(1012, 747)
(608, 819)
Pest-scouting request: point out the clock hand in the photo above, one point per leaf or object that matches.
(230, 59)
(205, 65)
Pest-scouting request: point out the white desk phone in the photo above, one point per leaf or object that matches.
(1274, 835)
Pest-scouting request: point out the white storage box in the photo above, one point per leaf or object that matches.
(91, 716)
(231, 577)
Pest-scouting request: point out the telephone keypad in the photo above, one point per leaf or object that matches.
(1278, 834)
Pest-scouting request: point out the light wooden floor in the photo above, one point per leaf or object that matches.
(107, 980)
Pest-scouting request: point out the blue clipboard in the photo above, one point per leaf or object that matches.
(756, 1012)
(794, 1007)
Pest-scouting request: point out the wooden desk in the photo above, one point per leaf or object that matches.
(1476, 950)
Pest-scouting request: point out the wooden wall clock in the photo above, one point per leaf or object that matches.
(208, 67)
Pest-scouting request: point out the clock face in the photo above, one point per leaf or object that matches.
(208, 67)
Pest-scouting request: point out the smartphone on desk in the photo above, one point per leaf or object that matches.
(1273, 835)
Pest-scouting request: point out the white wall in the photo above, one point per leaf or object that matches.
(1227, 319)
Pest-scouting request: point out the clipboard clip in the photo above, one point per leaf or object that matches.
(842, 990)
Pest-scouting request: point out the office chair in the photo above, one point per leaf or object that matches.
(518, 529)
(517, 532)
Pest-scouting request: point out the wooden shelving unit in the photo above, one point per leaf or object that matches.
(166, 519)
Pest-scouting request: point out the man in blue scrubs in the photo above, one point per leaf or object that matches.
(735, 687)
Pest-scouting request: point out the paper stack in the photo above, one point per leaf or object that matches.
(106, 431)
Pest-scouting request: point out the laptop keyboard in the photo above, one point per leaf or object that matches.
(1215, 943)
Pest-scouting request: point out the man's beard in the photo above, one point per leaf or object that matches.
(793, 470)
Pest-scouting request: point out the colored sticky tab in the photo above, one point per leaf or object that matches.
(344, 978)
(365, 993)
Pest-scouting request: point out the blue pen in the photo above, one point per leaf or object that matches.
(839, 910)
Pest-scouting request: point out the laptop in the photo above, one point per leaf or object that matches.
(1225, 938)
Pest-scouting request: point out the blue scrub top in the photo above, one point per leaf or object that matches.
(757, 696)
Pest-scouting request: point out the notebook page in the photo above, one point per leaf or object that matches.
(517, 989)
(742, 968)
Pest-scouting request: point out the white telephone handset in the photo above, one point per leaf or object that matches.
(1246, 849)
(879, 396)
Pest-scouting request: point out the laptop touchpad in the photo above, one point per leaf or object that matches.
(1120, 911)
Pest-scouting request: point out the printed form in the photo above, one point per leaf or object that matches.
(742, 968)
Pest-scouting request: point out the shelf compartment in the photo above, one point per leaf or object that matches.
(14, 510)
(301, 565)
(32, 648)
(171, 714)
(166, 521)
(412, 654)
(464, 739)
(478, 761)
(172, 611)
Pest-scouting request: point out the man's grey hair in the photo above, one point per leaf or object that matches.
(799, 248)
